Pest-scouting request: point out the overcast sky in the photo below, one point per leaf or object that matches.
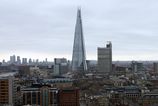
(45, 28)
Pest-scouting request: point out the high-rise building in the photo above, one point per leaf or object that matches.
(12, 59)
(105, 58)
(79, 55)
(24, 61)
(30, 61)
(3, 61)
(37, 61)
(46, 60)
(18, 60)
(60, 66)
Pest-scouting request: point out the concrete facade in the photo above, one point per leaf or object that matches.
(105, 58)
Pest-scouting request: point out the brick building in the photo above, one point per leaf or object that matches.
(69, 97)
(6, 91)
(45, 95)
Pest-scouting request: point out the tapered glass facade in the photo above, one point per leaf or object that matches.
(79, 55)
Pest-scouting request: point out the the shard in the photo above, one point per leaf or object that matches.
(79, 55)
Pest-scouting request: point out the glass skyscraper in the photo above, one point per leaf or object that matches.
(79, 55)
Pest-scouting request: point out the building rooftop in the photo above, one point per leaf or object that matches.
(7, 74)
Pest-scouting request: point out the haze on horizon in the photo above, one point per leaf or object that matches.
(45, 28)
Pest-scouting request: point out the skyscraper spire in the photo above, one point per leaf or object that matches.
(79, 55)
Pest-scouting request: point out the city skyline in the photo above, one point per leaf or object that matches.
(45, 29)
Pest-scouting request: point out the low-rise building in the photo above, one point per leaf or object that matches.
(150, 99)
(40, 96)
(45, 95)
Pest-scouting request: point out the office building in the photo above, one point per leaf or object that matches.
(105, 58)
(137, 66)
(12, 59)
(24, 61)
(18, 60)
(79, 55)
(30, 61)
(60, 66)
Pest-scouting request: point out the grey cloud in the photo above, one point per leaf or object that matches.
(47, 26)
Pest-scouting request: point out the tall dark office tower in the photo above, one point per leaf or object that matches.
(79, 55)
(18, 60)
(12, 59)
(105, 58)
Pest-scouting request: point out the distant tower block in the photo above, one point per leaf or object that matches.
(105, 58)
(79, 55)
